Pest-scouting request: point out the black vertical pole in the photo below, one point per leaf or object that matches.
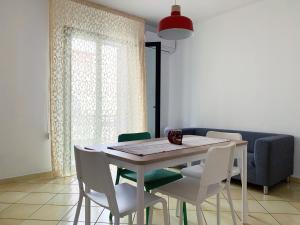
(157, 46)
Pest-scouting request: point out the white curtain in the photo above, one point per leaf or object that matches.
(97, 85)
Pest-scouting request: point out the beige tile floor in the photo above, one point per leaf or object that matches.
(52, 201)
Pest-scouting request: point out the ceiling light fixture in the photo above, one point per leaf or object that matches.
(175, 27)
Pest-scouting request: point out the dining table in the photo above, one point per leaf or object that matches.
(146, 155)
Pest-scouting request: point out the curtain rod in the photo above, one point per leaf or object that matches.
(111, 10)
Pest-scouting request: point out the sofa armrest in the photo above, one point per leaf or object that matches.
(274, 158)
(188, 131)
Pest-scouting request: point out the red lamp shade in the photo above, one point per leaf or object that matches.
(175, 27)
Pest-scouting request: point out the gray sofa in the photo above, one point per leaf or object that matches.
(270, 156)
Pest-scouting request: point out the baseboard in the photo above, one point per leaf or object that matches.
(26, 177)
(295, 180)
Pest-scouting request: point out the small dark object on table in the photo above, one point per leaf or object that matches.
(175, 137)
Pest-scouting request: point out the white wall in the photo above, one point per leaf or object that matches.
(241, 70)
(24, 72)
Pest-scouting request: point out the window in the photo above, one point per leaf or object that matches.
(94, 85)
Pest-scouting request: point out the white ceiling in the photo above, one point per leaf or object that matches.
(154, 10)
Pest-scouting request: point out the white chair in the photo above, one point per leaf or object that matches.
(95, 184)
(197, 170)
(218, 167)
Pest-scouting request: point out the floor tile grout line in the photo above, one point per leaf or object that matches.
(61, 220)
(270, 214)
(27, 218)
(292, 214)
(202, 212)
(50, 199)
(276, 219)
(36, 211)
(45, 204)
(99, 216)
(235, 211)
(283, 213)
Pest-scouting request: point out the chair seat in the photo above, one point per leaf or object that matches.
(126, 198)
(197, 170)
(186, 189)
(154, 178)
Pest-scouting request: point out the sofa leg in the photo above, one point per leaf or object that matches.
(288, 179)
(266, 190)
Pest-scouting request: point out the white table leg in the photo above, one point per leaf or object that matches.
(140, 195)
(244, 186)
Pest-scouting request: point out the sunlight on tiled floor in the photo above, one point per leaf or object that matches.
(52, 201)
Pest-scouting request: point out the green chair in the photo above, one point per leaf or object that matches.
(153, 179)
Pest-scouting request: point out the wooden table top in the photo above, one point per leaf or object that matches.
(148, 159)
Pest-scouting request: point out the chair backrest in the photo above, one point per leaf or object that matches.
(218, 165)
(93, 171)
(134, 136)
(225, 135)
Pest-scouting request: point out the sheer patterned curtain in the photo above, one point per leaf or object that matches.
(97, 84)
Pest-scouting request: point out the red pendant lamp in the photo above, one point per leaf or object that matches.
(175, 27)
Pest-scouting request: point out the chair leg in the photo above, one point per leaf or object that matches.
(150, 219)
(130, 219)
(199, 214)
(229, 199)
(181, 213)
(148, 208)
(218, 209)
(116, 183)
(177, 208)
(87, 210)
(79, 204)
(185, 221)
(117, 220)
(166, 213)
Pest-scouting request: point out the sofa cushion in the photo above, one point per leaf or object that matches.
(250, 160)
